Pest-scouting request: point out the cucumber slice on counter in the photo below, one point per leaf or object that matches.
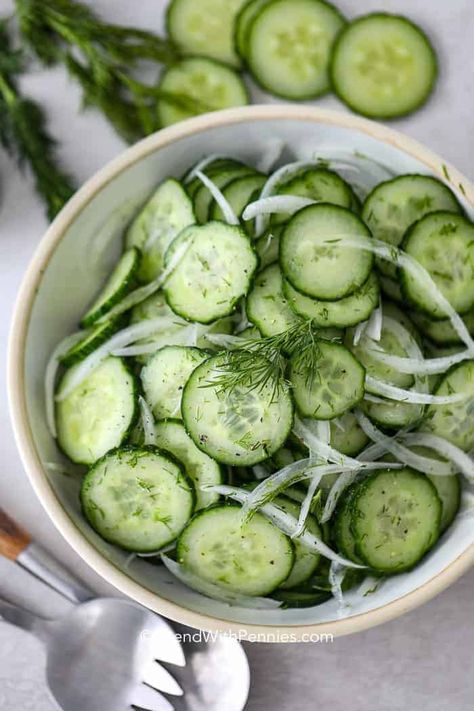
(383, 66)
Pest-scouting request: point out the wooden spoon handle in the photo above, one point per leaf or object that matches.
(13, 540)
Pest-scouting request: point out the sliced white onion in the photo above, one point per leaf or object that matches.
(374, 398)
(405, 455)
(359, 331)
(282, 520)
(369, 585)
(401, 259)
(306, 505)
(224, 340)
(200, 165)
(276, 204)
(374, 324)
(60, 468)
(143, 292)
(336, 578)
(272, 152)
(216, 592)
(344, 480)
(318, 448)
(135, 332)
(446, 449)
(229, 215)
(400, 395)
(148, 421)
(51, 372)
(260, 472)
(284, 173)
(338, 422)
(419, 366)
(134, 351)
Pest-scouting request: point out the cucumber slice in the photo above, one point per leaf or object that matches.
(383, 66)
(213, 275)
(393, 415)
(337, 387)
(391, 288)
(441, 332)
(251, 559)
(268, 246)
(164, 215)
(443, 243)
(289, 44)
(90, 342)
(454, 421)
(137, 498)
(301, 598)
(343, 536)
(215, 165)
(392, 207)
(241, 427)
(342, 313)
(201, 469)
(311, 259)
(347, 436)
(392, 310)
(318, 184)
(98, 414)
(165, 375)
(448, 489)
(266, 305)
(395, 519)
(243, 22)
(239, 193)
(306, 561)
(117, 285)
(203, 200)
(213, 86)
(205, 28)
(390, 344)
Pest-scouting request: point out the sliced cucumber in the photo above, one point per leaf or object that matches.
(454, 421)
(448, 489)
(210, 86)
(396, 519)
(203, 200)
(337, 386)
(201, 469)
(311, 258)
(165, 375)
(392, 207)
(393, 415)
(300, 598)
(389, 308)
(268, 246)
(266, 305)
(342, 532)
(442, 332)
(99, 413)
(342, 313)
(205, 28)
(173, 331)
(391, 345)
(347, 436)
(242, 25)
(164, 215)
(213, 166)
(289, 43)
(391, 288)
(251, 559)
(383, 66)
(118, 284)
(241, 427)
(137, 498)
(443, 243)
(239, 193)
(213, 275)
(319, 184)
(306, 560)
(91, 341)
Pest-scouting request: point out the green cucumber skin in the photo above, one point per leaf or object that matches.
(78, 352)
(129, 448)
(311, 95)
(91, 318)
(381, 116)
(343, 507)
(133, 420)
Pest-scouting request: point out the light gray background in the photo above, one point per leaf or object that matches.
(421, 660)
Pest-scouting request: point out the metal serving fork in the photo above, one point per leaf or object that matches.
(102, 655)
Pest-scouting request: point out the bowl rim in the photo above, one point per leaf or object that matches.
(17, 391)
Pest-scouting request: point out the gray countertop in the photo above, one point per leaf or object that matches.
(423, 658)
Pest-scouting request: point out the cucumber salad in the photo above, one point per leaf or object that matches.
(273, 393)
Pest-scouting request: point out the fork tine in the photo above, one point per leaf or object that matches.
(159, 678)
(144, 697)
(164, 645)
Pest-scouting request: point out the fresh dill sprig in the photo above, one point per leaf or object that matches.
(23, 131)
(260, 362)
(101, 57)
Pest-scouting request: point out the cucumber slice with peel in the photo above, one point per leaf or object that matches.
(318, 184)
(91, 341)
(383, 66)
(204, 202)
(137, 498)
(306, 561)
(266, 305)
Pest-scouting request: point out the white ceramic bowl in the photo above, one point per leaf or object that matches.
(57, 288)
